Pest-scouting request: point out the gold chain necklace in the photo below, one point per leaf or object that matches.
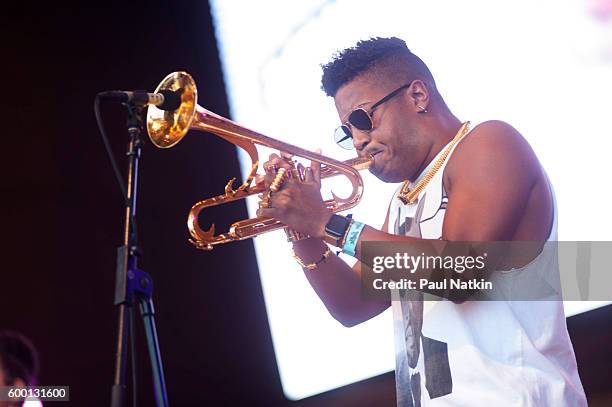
(409, 196)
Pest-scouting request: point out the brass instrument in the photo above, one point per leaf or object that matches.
(167, 128)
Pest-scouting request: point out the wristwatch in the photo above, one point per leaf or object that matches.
(336, 228)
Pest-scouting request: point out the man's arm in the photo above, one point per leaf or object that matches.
(338, 285)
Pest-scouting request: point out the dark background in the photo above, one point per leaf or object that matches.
(63, 214)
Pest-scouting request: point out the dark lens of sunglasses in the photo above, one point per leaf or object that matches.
(343, 137)
(360, 119)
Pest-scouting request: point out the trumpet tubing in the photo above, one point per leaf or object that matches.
(166, 129)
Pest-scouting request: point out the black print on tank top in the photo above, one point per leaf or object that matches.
(442, 207)
(437, 374)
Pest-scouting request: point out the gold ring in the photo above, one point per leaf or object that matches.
(265, 202)
(271, 168)
(278, 181)
(295, 173)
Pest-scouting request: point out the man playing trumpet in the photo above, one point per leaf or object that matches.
(459, 184)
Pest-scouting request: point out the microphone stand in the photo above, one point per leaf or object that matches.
(132, 285)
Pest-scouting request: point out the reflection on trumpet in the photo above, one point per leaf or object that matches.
(166, 129)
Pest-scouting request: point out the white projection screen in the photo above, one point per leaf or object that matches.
(543, 66)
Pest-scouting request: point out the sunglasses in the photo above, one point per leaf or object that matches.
(361, 119)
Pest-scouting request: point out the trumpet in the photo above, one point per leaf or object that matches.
(167, 128)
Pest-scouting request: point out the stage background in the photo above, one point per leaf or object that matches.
(62, 217)
(486, 67)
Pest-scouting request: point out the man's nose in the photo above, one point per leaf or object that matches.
(360, 139)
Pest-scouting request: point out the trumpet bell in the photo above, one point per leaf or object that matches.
(168, 128)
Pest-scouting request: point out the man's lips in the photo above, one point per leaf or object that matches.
(373, 154)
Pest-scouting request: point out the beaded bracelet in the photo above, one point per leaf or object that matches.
(314, 265)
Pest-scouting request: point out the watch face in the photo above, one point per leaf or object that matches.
(337, 225)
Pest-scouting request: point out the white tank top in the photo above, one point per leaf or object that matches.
(479, 353)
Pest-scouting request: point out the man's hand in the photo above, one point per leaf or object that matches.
(298, 202)
(271, 167)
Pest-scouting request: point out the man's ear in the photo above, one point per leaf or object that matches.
(419, 96)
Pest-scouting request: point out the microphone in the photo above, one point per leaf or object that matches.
(164, 100)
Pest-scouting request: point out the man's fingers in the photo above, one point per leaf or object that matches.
(273, 159)
(271, 167)
(265, 212)
(301, 171)
(275, 162)
(308, 175)
(286, 156)
(278, 160)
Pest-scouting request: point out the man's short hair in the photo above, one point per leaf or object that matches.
(18, 358)
(386, 58)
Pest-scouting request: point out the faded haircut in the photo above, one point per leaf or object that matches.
(384, 58)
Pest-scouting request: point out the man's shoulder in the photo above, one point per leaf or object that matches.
(492, 148)
(492, 136)
(492, 174)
